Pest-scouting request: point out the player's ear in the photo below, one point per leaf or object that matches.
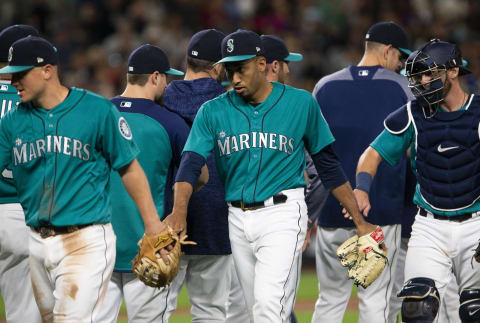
(386, 51)
(452, 72)
(261, 63)
(48, 71)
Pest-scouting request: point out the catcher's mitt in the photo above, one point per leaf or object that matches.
(371, 259)
(149, 266)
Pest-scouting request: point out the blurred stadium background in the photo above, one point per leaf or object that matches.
(95, 37)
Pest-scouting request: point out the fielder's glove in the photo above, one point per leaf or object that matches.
(149, 266)
(365, 260)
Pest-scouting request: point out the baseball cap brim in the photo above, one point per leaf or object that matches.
(404, 51)
(235, 58)
(293, 57)
(173, 71)
(14, 69)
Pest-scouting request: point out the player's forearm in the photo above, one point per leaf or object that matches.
(344, 195)
(182, 193)
(203, 179)
(137, 186)
(369, 162)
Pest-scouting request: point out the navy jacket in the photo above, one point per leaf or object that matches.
(207, 220)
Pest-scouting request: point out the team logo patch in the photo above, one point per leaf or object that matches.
(230, 45)
(222, 134)
(18, 141)
(124, 128)
(10, 54)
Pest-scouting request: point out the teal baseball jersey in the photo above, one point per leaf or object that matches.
(259, 149)
(8, 100)
(61, 158)
(160, 135)
(393, 146)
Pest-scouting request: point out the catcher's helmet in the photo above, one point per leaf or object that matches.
(432, 58)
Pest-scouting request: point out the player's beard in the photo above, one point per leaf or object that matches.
(447, 85)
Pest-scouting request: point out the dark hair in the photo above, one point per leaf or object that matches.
(199, 65)
(137, 79)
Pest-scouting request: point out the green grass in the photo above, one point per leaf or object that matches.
(308, 290)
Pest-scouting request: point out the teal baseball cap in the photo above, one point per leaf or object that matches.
(240, 46)
(147, 59)
(276, 50)
(30, 52)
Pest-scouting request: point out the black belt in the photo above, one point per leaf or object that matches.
(277, 199)
(455, 218)
(51, 231)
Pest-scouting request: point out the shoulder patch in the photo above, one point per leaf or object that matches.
(398, 121)
(124, 128)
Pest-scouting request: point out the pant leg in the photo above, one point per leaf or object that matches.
(208, 283)
(278, 241)
(144, 304)
(236, 307)
(334, 287)
(15, 283)
(448, 311)
(429, 252)
(78, 266)
(243, 257)
(396, 302)
(112, 301)
(174, 289)
(374, 300)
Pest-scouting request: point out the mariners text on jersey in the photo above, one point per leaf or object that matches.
(230, 144)
(26, 151)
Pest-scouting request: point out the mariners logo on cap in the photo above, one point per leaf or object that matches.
(124, 128)
(10, 54)
(230, 45)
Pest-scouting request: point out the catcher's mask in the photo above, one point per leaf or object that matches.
(432, 60)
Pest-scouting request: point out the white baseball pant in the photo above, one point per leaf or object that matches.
(207, 278)
(437, 247)
(15, 283)
(267, 248)
(144, 303)
(70, 272)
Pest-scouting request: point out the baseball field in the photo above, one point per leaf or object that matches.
(306, 298)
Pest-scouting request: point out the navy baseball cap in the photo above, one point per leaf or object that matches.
(30, 52)
(240, 46)
(147, 59)
(206, 45)
(276, 50)
(10, 35)
(389, 33)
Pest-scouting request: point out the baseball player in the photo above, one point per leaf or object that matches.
(205, 266)
(160, 136)
(355, 101)
(440, 126)
(15, 285)
(260, 160)
(62, 144)
(277, 58)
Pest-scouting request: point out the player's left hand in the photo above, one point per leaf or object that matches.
(177, 220)
(363, 202)
(311, 231)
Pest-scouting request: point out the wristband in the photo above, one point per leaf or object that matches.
(364, 181)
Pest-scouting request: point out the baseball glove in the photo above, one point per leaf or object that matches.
(348, 252)
(371, 259)
(149, 266)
